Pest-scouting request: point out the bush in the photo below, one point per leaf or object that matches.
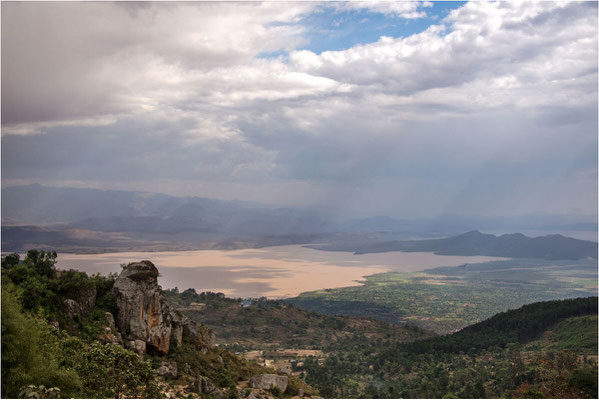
(110, 371)
(30, 352)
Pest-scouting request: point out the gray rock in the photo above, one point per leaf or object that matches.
(168, 369)
(203, 384)
(138, 346)
(176, 328)
(267, 381)
(87, 299)
(220, 394)
(143, 312)
(54, 324)
(285, 369)
(110, 319)
(108, 338)
(300, 392)
(71, 307)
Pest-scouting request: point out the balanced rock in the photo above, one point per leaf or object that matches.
(143, 313)
(267, 381)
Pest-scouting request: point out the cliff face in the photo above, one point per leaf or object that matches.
(145, 316)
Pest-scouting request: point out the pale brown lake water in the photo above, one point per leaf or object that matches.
(274, 272)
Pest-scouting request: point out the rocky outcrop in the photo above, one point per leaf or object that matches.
(142, 311)
(82, 303)
(267, 381)
(71, 307)
(106, 336)
(109, 319)
(144, 315)
(87, 298)
(168, 369)
(203, 385)
(138, 346)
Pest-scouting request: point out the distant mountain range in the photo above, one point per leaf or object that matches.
(90, 220)
(451, 224)
(121, 211)
(475, 243)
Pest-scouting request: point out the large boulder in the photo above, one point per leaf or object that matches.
(267, 381)
(143, 313)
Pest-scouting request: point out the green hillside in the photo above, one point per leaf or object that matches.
(541, 350)
(49, 339)
(270, 324)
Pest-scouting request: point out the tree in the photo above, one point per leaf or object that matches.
(30, 352)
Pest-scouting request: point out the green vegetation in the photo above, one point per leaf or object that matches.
(36, 353)
(450, 298)
(574, 334)
(79, 359)
(545, 349)
(489, 359)
(263, 324)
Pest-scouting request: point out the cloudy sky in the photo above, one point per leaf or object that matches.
(361, 108)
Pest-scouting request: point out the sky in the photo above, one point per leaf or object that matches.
(406, 109)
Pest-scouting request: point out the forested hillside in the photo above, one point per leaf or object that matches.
(67, 334)
(513, 354)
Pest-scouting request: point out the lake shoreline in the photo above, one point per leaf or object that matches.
(273, 272)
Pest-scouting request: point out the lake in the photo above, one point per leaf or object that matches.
(274, 272)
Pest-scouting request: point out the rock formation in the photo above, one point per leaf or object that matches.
(203, 384)
(82, 303)
(267, 381)
(142, 312)
(168, 369)
(145, 316)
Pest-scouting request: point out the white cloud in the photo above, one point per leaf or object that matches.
(499, 86)
(401, 9)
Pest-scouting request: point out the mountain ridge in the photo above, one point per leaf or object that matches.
(475, 243)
